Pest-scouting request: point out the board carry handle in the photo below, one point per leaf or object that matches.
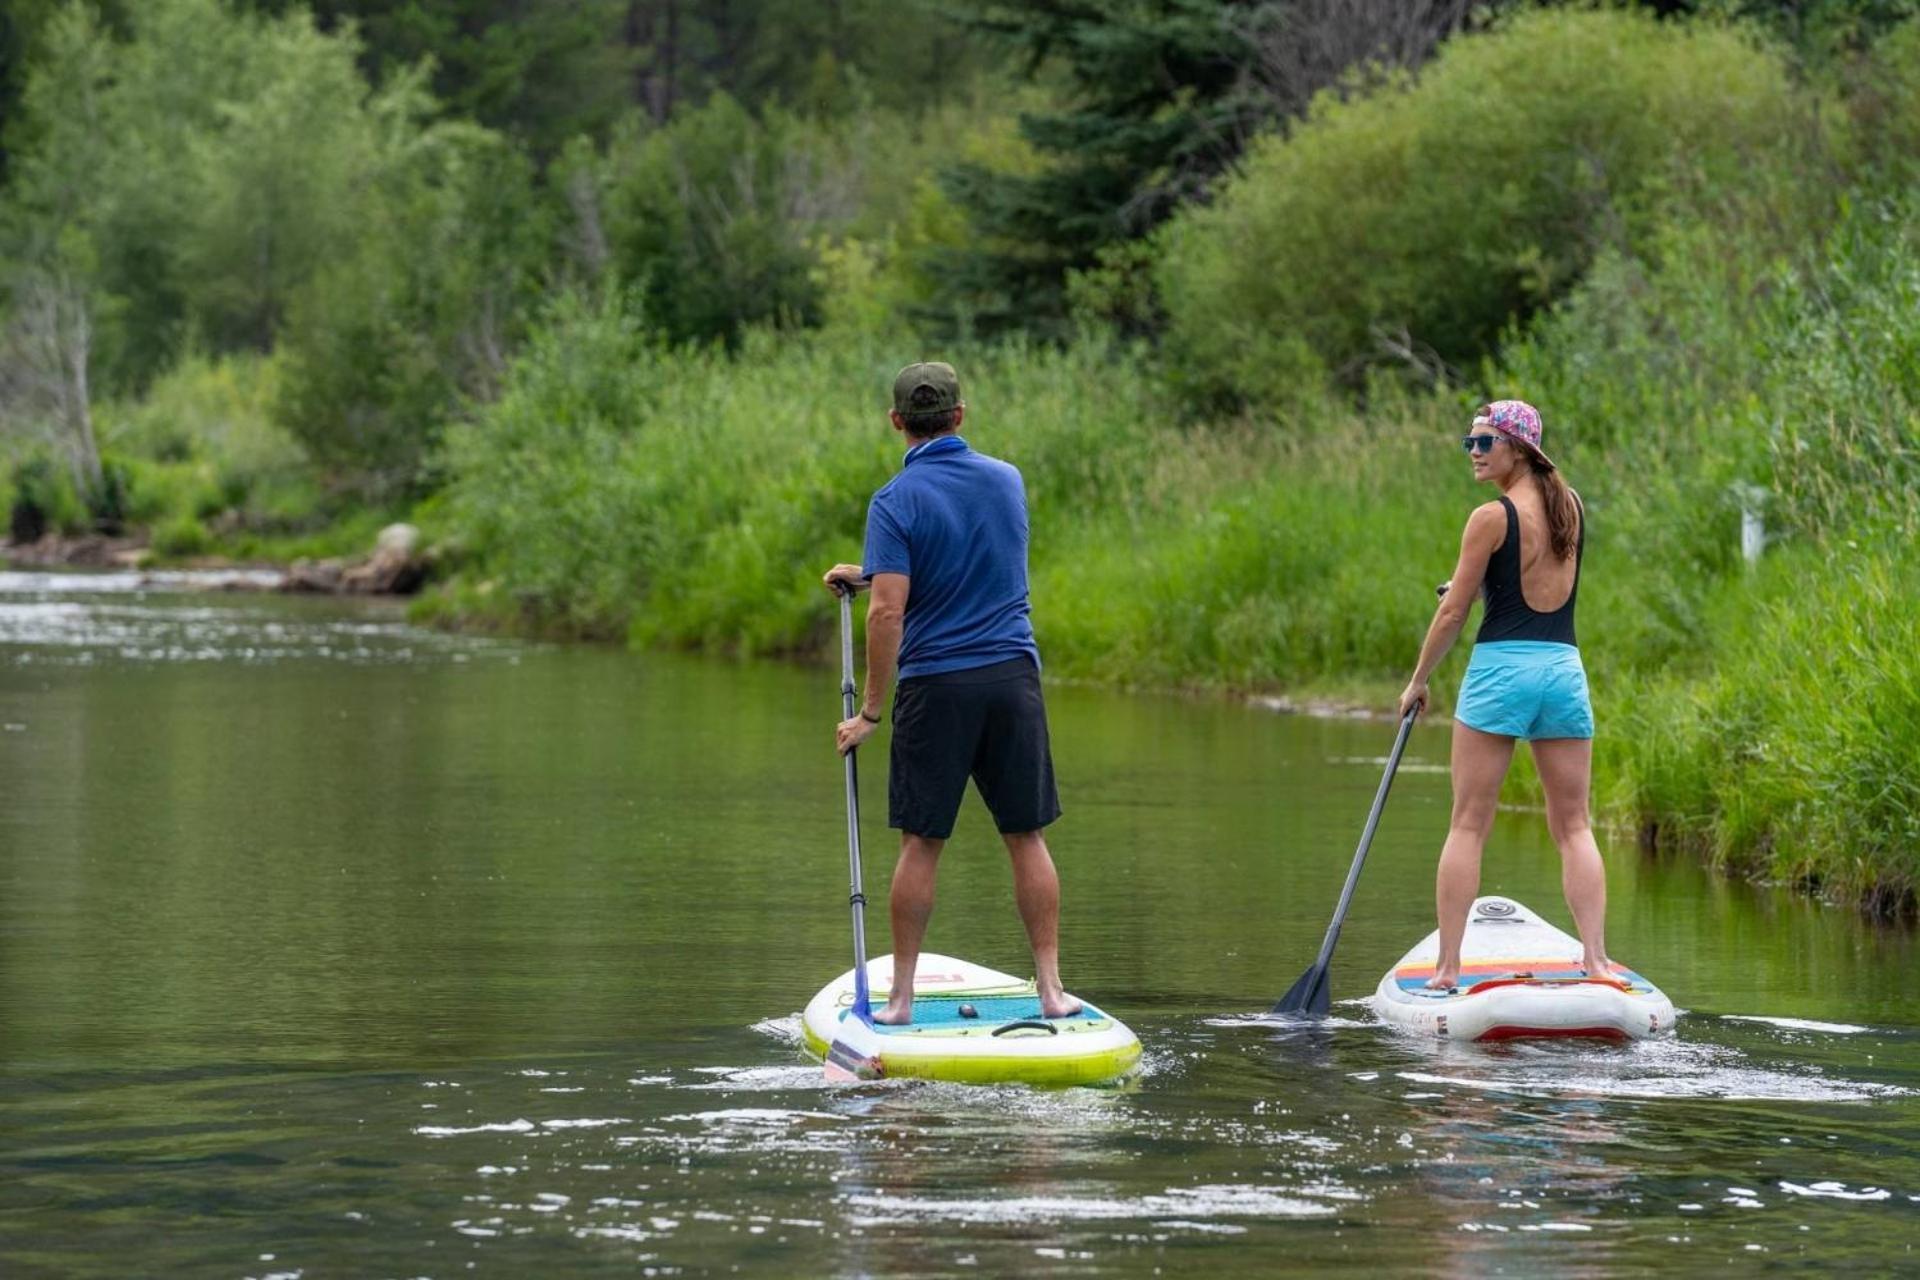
(1026, 1024)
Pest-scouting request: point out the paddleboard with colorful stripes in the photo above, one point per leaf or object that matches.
(977, 1025)
(1519, 978)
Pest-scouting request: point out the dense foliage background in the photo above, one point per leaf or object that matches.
(606, 295)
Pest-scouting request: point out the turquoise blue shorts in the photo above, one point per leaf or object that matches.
(1526, 689)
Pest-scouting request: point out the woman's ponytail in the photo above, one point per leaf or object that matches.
(1563, 510)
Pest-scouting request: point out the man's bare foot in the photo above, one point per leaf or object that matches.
(1443, 980)
(1061, 1005)
(894, 1014)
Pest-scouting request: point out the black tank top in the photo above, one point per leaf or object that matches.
(1508, 616)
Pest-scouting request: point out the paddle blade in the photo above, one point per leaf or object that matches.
(854, 1054)
(1310, 997)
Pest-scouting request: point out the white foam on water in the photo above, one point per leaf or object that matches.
(1834, 1191)
(786, 1030)
(1270, 1021)
(1185, 1204)
(584, 1124)
(755, 1116)
(1798, 1024)
(452, 1131)
(1665, 1068)
(1751, 1085)
(762, 1079)
(632, 1235)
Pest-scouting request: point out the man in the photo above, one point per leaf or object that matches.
(946, 556)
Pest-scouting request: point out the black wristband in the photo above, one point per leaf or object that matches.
(869, 719)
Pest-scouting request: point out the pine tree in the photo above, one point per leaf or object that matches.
(1157, 104)
(1160, 98)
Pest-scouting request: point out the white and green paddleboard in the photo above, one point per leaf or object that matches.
(1520, 978)
(976, 1025)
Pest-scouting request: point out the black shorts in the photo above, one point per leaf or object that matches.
(987, 723)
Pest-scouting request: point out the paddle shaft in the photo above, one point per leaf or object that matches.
(1366, 839)
(862, 1005)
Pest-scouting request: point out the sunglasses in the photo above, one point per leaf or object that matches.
(1479, 444)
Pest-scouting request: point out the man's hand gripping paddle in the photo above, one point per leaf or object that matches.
(1311, 996)
(855, 1051)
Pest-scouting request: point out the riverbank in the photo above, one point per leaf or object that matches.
(620, 491)
(397, 565)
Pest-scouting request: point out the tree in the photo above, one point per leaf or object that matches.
(1160, 98)
(1157, 103)
(542, 71)
(51, 277)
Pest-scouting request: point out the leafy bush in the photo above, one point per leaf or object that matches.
(42, 500)
(1412, 224)
(707, 219)
(214, 161)
(387, 342)
(619, 485)
(180, 536)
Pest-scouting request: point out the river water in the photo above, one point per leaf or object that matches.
(329, 946)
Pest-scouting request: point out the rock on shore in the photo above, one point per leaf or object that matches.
(397, 566)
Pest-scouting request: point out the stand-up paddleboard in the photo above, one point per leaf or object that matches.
(976, 1025)
(1519, 978)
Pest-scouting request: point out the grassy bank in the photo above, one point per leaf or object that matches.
(1749, 345)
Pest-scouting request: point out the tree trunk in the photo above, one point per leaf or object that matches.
(79, 354)
(50, 350)
(653, 39)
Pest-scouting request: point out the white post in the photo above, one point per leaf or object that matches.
(1753, 525)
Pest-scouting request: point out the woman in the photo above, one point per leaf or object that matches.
(1525, 679)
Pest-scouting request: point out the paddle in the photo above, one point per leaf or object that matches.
(855, 1051)
(1311, 996)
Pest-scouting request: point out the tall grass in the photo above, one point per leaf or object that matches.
(1755, 351)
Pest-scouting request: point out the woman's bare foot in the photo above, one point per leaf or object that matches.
(894, 1013)
(1058, 1005)
(1443, 980)
(1597, 966)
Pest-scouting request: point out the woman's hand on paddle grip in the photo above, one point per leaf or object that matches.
(849, 734)
(1415, 695)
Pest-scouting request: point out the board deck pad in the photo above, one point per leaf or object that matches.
(1519, 977)
(1008, 1041)
(940, 1015)
(1412, 978)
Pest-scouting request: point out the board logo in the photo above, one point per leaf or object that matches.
(1496, 910)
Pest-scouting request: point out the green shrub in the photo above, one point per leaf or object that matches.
(621, 486)
(699, 217)
(391, 338)
(1411, 224)
(181, 535)
(42, 499)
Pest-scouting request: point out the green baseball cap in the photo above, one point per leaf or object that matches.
(926, 388)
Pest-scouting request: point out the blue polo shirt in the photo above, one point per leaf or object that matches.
(955, 522)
